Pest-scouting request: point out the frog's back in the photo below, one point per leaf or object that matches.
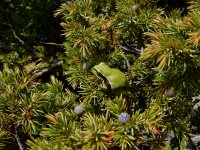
(117, 79)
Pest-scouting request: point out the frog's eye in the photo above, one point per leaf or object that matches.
(106, 82)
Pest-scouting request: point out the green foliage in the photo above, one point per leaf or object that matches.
(29, 20)
(148, 60)
(177, 61)
(22, 104)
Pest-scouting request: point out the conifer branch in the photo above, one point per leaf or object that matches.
(17, 138)
(126, 59)
(14, 33)
(195, 109)
(132, 51)
(54, 44)
(193, 141)
(45, 70)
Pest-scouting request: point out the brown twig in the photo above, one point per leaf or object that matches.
(14, 33)
(17, 138)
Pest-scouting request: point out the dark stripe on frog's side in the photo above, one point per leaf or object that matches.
(106, 82)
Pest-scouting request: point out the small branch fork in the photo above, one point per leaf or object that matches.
(14, 33)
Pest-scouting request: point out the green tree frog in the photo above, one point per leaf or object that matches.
(113, 78)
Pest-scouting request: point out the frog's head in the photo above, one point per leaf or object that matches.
(113, 78)
(101, 69)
